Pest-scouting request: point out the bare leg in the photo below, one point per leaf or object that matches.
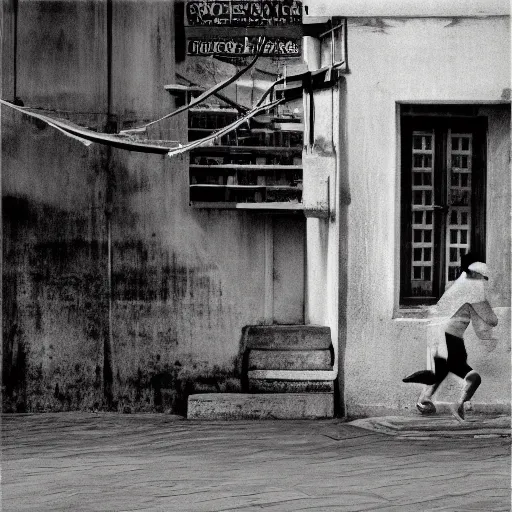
(425, 404)
(471, 382)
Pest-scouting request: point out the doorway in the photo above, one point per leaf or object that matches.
(285, 237)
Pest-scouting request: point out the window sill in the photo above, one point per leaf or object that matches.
(412, 313)
(285, 207)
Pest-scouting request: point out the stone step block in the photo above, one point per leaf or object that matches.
(325, 375)
(242, 406)
(290, 386)
(290, 360)
(287, 337)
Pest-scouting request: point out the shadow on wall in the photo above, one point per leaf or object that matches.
(54, 304)
(172, 387)
(344, 202)
(55, 318)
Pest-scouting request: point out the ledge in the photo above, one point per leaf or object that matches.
(260, 406)
(326, 375)
(408, 8)
(416, 313)
(262, 207)
(244, 187)
(246, 149)
(182, 89)
(246, 167)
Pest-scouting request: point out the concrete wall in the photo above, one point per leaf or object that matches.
(416, 60)
(116, 293)
(325, 248)
(407, 8)
(54, 266)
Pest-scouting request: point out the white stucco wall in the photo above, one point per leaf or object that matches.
(410, 8)
(416, 60)
(322, 244)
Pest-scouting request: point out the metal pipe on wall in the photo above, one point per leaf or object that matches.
(108, 342)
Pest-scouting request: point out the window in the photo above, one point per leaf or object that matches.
(442, 203)
(333, 43)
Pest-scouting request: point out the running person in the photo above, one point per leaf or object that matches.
(462, 303)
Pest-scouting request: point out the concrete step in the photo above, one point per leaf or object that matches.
(290, 360)
(327, 375)
(240, 406)
(290, 386)
(287, 337)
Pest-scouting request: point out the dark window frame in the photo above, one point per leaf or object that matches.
(458, 119)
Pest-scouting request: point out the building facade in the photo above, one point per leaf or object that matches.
(414, 77)
(119, 293)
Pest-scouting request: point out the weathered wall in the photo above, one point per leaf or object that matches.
(416, 60)
(185, 282)
(54, 268)
(162, 315)
(407, 8)
(54, 265)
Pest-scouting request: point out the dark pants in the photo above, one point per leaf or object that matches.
(457, 360)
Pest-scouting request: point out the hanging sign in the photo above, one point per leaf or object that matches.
(242, 46)
(240, 13)
(231, 27)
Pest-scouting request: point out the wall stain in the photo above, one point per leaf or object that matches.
(56, 280)
(375, 24)
(454, 22)
(52, 281)
(171, 318)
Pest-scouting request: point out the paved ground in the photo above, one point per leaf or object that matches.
(437, 426)
(107, 462)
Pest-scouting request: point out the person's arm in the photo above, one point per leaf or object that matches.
(484, 311)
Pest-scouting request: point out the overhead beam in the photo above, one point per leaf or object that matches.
(292, 31)
(406, 8)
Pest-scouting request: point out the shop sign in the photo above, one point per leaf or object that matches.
(240, 46)
(249, 13)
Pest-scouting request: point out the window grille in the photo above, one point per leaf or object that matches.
(458, 233)
(422, 212)
(443, 202)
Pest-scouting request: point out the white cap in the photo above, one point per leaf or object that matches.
(479, 268)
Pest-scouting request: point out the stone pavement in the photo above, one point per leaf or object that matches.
(438, 426)
(156, 462)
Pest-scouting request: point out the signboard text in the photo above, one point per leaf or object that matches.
(248, 13)
(239, 46)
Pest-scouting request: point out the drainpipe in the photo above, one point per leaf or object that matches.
(311, 50)
(9, 51)
(15, 51)
(108, 340)
(311, 56)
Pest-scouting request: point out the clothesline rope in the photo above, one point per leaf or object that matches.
(310, 80)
